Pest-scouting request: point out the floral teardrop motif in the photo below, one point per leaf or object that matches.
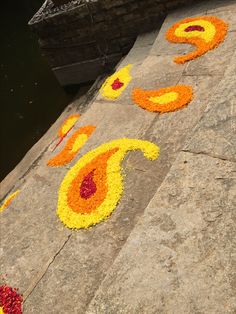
(164, 99)
(114, 85)
(205, 32)
(93, 187)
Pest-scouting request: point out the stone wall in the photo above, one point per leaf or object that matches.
(102, 30)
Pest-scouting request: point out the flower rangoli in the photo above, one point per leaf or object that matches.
(205, 32)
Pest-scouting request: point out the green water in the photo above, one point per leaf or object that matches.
(31, 98)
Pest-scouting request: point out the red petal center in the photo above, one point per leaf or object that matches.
(10, 300)
(117, 84)
(88, 186)
(194, 28)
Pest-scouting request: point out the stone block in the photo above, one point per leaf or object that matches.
(179, 257)
(215, 134)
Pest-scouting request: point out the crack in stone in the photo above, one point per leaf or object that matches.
(40, 276)
(209, 155)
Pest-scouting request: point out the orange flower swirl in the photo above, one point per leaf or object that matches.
(92, 188)
(205, 32)
(164, 99)
(72, 147)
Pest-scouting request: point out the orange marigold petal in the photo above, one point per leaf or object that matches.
(164, 99)
(205, 32)
(98, 167)
(9, 200)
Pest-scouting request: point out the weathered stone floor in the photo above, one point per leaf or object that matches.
(168, 247)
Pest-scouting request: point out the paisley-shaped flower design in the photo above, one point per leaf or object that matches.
(9, 200)
(205, 32)
(72, 147)
(92, 188)
(10, 301)
(116, 83)
(164, 99)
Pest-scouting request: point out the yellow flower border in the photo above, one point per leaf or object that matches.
(114, 181)
(124, 75)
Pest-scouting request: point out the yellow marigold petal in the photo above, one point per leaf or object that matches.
(68, 124)
(116, 83)
(93, 187)
(164, 99)
(205, 32)
(9, 200)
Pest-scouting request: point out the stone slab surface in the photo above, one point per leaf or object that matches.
(215, 134)
(170, 131)
(226, 13)
(141, 49)
(31, 234)
(86, 257)
(215, 61)
(179, 257)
